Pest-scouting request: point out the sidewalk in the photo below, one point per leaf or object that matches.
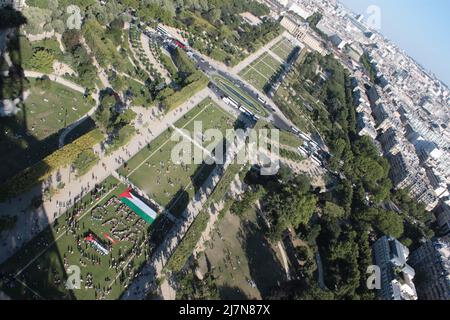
(31, 221)
(55, 78)
(255, 55)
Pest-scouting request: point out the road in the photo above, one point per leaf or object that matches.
(212, 68)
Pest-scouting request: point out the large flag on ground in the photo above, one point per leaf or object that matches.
(138, 206)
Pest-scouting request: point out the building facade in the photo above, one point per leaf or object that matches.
(432, 264)
(396, 275)
(442, 213)
(302, 32)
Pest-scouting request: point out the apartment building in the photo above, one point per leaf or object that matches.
(432, 262)
(396, 275)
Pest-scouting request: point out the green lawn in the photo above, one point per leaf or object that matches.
(255, 78)
(169, 184)
(282, 49)
(289, 139)
(49, 110)
(260, 71)
(56, 249)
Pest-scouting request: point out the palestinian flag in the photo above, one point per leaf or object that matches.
(138, 206)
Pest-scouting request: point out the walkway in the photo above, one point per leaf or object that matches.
(255, 55)
(154, 267)
(31, 221)
(55, 78)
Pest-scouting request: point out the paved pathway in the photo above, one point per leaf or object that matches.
(32, 221)
(55, 78)
(154, 268)
(255, 55)
(284, 258)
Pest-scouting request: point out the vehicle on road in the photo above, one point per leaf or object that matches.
(261, 100)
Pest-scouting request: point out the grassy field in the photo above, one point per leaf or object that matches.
(42, 263)
(260, 71)
(172, 185)
(239, 254)
(283, 48)
(255, 78)
(49, 110)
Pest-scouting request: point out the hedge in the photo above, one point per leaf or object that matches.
(85, 161)
(40, 171)
(169, 65)
(184, 94)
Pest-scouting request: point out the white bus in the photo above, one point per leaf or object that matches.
(295, 130)
(262, 100)
(163, 32)
(303, 136)
(230, 102)
(243, 109)
(316, 161)
(303, 151)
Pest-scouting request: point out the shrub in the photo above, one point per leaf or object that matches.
(40, 171)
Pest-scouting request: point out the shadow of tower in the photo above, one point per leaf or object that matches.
(20, 149)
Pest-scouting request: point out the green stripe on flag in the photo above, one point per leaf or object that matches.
(137, 210)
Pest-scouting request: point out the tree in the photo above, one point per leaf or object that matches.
(103, 114)
(284, 174)
(291, 206)
(332, 210)
(389, 223)
(84, 161)
(314, 292)
(58, 25)
(302, 253)
(213, 15)
(71, 39)
(42, 61)
(36, 19)
(126, 117)
(249, 198)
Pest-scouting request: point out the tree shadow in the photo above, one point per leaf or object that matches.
(178, 203)
(265, 269)
(21, 276)
(232, 293)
